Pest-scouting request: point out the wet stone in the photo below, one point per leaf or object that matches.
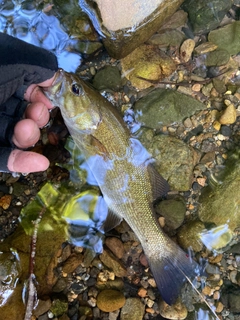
(113, 263)
(163, 107)
(110, 300)
(188, 235)
(132, 310)
(143, 65)
(173, 210)
(204, 16)
(229, 115)
(218, 57)
(116, 246)
(176, 311)
(178, 171)
(227, 37)
(107, 78)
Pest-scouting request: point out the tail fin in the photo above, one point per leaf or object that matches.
(171, 271)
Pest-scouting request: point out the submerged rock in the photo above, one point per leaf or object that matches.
(132, 310)
(189, 235)
(163, 107)
(220, 204)
(173, 210)
(110, 300)
(126, 24)
(175, 160)
(107, 78)
(205, 15)
(176, 311)
(145, 63)
(227, 37)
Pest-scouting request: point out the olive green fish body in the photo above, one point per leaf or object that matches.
(122, 168)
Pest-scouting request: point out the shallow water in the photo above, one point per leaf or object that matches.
(26, 21)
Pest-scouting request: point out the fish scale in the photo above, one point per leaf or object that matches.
(123, 170)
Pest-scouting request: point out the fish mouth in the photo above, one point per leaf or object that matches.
(55, 91)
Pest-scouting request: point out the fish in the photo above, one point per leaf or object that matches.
(124, 172)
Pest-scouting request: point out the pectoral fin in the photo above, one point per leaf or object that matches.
(99, 147)
(112, 221)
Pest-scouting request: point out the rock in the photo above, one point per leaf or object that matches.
(147, 62)
(205, 47)
(163, 107)
(227, 37)
(10, 271)
(107, 78)
(178, 19)
(72, 263)
(116, 246)
(220, 204)
(167, 38)
(176, 311)
(173, 210)
(218, 57)
(42, 307)
(189, 235)
(177, 171)
(113, 263)
(229, 115)
(186, 50)
(116, 284)
(126, 24)
(132, 310)
(58, 307)
(110, 300)
(204, 16)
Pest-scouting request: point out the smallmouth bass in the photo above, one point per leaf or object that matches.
(124, 173)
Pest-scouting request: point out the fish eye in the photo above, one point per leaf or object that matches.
(76, 89)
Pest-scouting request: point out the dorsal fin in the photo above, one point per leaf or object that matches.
(160, 186)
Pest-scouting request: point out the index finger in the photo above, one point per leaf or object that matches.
(35, 94)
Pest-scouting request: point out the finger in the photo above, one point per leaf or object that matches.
(27, 161)
(38, 112)
(35, 94)
(26, 133)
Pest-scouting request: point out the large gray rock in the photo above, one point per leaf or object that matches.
(175, 160)
(163, 107)
(220, 204)
(126, 24)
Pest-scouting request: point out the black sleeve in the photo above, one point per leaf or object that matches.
(22, 64)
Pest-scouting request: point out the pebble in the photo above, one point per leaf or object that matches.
(229, 115)
(225, 131)
(132, 310)
(112, 263)
(176, 311)
(186, 50)
(142, 292)
(110, 300)
(5, 201)
(116, 246)
(72, 263)
(205, 47)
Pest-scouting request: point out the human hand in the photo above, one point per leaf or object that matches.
(26, 132)
(23, 106)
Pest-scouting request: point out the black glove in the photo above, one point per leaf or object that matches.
(21, 64)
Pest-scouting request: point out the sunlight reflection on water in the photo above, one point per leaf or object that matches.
(34, 26)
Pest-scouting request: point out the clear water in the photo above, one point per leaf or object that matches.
(26, 21)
